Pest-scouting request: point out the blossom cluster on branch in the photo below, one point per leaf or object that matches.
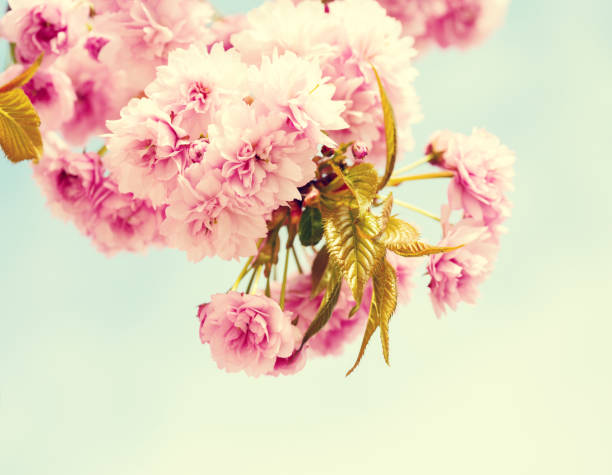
(271, 136)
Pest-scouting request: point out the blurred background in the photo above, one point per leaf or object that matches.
(101, 369)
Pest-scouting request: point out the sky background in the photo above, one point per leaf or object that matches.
(101, 369)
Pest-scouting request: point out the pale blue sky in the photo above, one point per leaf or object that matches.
(101, 370)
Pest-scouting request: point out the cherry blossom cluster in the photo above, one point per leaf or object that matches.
(220, 132)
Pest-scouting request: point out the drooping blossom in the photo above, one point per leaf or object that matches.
(79, 189)
(196, 84)
(483, 174)
(246, 332)
(51, 27)
(122, 222)
(204, 220)
(143, 32)
(143, 151)
(100, 95)
(69, 180)
(354, 36)
(51, 94)
(456, 275)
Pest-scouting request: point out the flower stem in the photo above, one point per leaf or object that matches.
(243, 273)
(426, 176)
(297, 260)
(251, 280)
(414, 208)
(414, 165)
(257, 275)
(284, 284)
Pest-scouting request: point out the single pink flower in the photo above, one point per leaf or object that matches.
(51, 94)
(205, 220)
(259, 157)
(143, 151)
(68, 179)
(196, 84)
(483, 174)
(122, 222)
(296, 88)
(456, 275)
(51, 27)
(143, 32)
(465, 23)
(246, 332)
(100, 95)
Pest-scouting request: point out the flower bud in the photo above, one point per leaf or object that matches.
(360, 150)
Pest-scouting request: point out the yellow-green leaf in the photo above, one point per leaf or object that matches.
(373, 323)
(20, 137)
(382, 308)
(383, 219)
(319, 268)
(351, 245)
(390, 132)
(385, 300)
(328, 304)
(403, 239)
(361, 180)
(23, 78)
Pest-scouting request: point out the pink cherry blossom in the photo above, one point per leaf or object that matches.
(50, 92)
(143, 151)
(483, 174)
(196, 84)
(246, 332)
(456, 275)
(204, 220)
(123, 222)
(466, 22)
(297, 88)
(68, 179)
(347, 42)
(100, 95)
(143, 32)
(259, 158)
(51, 27)
(461, 23)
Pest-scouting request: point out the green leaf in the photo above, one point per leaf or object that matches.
(319, 268)
(382, 307)
(20, 137)
(311, 227)
(403, 239)
(327, 305)
(373, 323)
(383, 219)
(351, 245)
(385, 301)
(23, 78)
(361, 180)
(390, 132)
